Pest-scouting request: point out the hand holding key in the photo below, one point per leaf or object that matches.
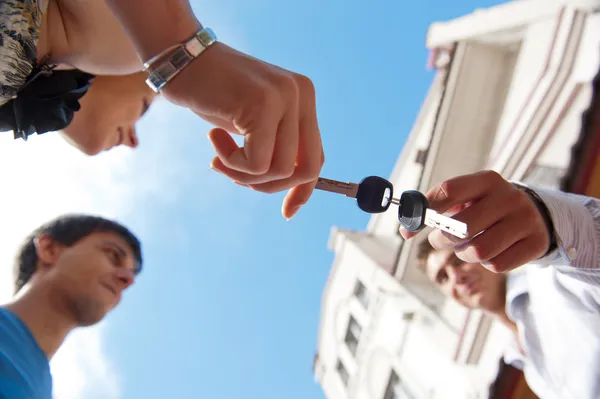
(506, 227)
(375, 195)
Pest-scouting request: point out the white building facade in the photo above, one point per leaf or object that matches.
(510, 88)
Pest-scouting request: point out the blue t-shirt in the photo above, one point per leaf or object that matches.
(24, 367)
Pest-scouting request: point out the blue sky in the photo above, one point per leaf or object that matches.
(228, 304)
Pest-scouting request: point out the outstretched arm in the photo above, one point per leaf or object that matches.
(274, 109)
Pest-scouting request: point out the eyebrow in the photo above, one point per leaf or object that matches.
(145, 106)
(116, 246)
(137, 267)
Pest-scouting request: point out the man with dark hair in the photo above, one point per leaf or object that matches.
(532, 261)
(69, 273)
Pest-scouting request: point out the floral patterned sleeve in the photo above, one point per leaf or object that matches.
(20, 22)
(34, 97)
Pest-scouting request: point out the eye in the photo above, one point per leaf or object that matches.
(113, 256)
(442, 277)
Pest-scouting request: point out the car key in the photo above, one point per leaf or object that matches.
(373, 194)
(414, 214)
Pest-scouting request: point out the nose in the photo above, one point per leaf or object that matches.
(125, 278)
(131, 140)
(457, 275)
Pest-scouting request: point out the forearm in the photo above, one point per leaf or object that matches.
(161, 24)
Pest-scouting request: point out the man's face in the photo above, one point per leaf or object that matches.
(89, 277)
(108, 114)
(470, 284)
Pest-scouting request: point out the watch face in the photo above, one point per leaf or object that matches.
(207, 36)
(153, 83)
(178, 60)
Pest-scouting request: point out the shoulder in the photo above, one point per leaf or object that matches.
(97, 42)
(24, 372)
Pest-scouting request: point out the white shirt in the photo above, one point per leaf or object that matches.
(555, 303)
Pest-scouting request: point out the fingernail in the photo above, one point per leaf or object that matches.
(240, 184)
(215, 168)
(293, 212)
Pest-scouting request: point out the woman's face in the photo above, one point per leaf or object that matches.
(109, 112)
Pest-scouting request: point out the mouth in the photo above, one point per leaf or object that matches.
(110, 288)
(470, 288)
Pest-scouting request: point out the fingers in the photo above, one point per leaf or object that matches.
(297, 197)
(284, 154)
(515, 256)
(255, 156)
(311, 158)
(458, 193)
(462, 189)
(478, 217)
(297, 154)
(300, 195)
(405, 233)
(492, 242)
(223, 144)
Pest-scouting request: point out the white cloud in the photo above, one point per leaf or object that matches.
(80, 369)
(45, 177)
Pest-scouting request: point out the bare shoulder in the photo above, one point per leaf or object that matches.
(100, 44)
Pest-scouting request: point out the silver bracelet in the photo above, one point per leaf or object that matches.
(182, 55)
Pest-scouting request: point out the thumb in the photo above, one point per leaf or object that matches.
(457, 193)
(405, 233)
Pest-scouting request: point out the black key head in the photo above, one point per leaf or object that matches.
(374, 194)
(411, 212)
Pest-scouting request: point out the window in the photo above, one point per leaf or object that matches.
(360, 292)
(352, 335)
(396, 389)
(343, 373)
(421, 157)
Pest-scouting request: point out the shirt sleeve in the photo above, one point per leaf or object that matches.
(576, 220)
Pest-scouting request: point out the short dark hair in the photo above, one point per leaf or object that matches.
(67, 230)
(424, 249)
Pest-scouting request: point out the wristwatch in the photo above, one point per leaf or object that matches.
(182, 54)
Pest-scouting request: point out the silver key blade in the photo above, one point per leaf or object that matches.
(334, 186)
(445, 223)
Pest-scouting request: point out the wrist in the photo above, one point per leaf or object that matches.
(165, 66)
(172, 37)
(545, 213)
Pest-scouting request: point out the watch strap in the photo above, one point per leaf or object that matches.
(180, 56)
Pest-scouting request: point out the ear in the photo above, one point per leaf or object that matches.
(47, 249)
